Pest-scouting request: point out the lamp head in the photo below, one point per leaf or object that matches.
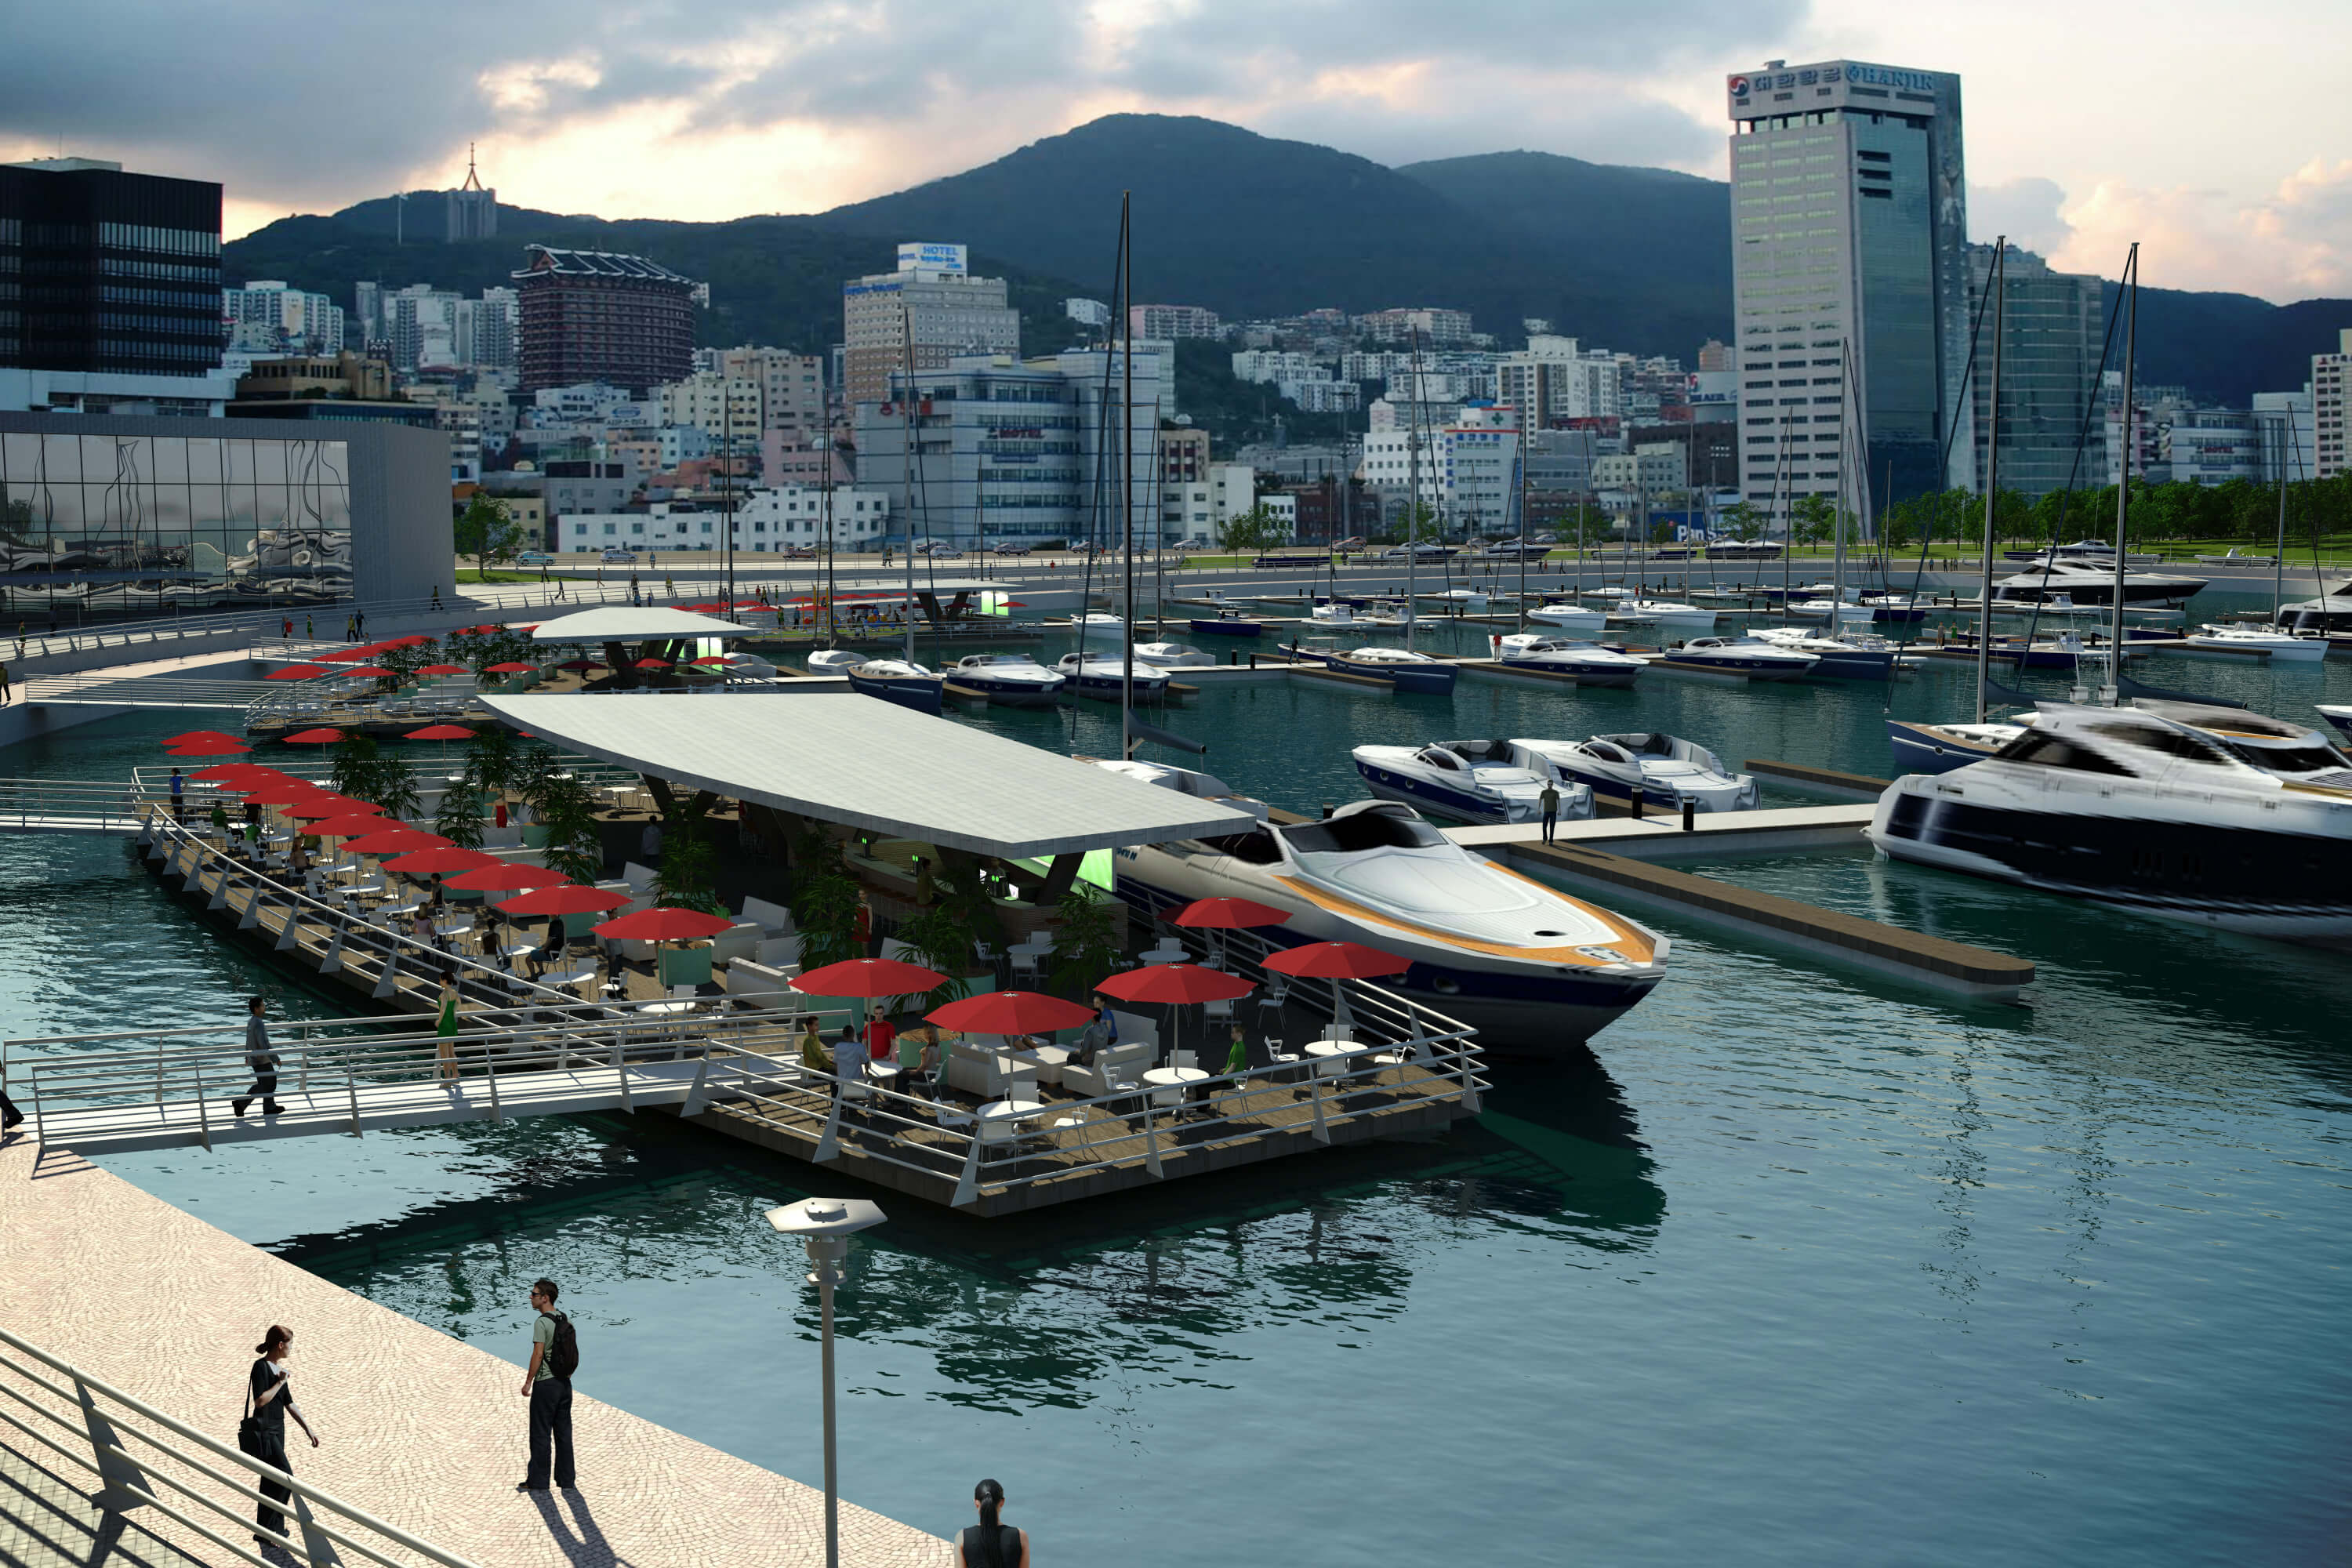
(826, 1216)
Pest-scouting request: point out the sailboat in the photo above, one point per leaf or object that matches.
(2273, 642)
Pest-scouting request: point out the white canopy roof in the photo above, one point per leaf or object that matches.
(634, 623)
(846, 758)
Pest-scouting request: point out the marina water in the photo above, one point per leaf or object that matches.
(1802, 1265)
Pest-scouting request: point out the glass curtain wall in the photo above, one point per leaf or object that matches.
(105, 526)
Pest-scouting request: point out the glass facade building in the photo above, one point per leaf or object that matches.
(106, 272)
(126, 524)
(1849, 227)
(2048, 375)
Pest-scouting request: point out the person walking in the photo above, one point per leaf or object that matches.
(989, 1543)
(1550, 801)
(359, 624)
(445, 1028)
(262, 1061)
(555, 1357)
(261, 1434)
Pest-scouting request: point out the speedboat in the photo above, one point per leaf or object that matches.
(1403, 669)
(1589, 663)
(1837, 612)
(1012, 679)
(2132, 807)
(2231, 558)
(1922, 748)
(2336, 714)
(1575, 618)
(1091, 676)
(1665, 771)
(1332, 610)
(1531, 969)
(1749, 656)
(2087, 581)
(1226, 624)
(1666, 614)
(1466, 781)
(1898, 609)
(1100, 623)
(834, 660)
(2280, 646)
(896, 680)
(1855, 656)
(1185, 781)
(1173, 656)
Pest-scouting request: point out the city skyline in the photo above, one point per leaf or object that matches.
(713, 109)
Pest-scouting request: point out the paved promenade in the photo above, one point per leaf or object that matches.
(422, 1430)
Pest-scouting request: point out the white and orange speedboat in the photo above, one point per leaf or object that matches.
(1533, 970)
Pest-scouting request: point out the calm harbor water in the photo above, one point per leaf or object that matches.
(1801, 1265)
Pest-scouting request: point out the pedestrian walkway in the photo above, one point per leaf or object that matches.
(47, 1522)
(422, 1430)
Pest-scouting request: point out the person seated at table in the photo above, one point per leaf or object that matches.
(913, 1053)
(420, 928)
(849, 1053)
(881, 1036)
(298, 859)
(220, 820)
(1237, 1055)
(1099, 1035)
(814, 1055)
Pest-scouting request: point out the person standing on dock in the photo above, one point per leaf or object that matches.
(445, 1028)
(3, 684)
(555, 1357)
(179, 795)
(989, 1544)
(1550, 799)
(262, 1434)
(262, 1061)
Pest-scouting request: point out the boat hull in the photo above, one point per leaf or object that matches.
(1585, 674)
(922, 696)
(1009, 693)
(1434, 798)
(1753, 668)
(1224, 629)
(1924, 749)
(1435, 679)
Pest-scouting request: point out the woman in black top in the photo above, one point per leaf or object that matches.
(988, 1544)
(272, 1399)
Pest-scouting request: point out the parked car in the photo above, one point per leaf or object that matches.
(1353, 541)
(534, 558)
(618, 557)
(1011, 548)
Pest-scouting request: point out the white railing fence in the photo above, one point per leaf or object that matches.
(143, 1458)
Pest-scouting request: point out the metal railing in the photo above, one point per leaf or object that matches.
(79, 806)
(112, 688)
(142, 1457)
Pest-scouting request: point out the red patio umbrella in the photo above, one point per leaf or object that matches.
(425, 862)
(569, 899)
(354, 655)
(325, 803)
(351, 825)
(277, 792)
(653, 664)
(509, 668)
(443, 669)
(314, 737)
(296, 672)
(508, 878)
(869, 977)
(712, 658)
(1336, 961)
(374, 670)
(660, 924)
(579, 664)
(1230, 914)
(440, 732)
(193, 736)
(255, 772)
(1174, 984)
(413, 639)
(1011, 1013)
(224, 747)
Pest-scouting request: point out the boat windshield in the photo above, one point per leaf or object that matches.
(2292, 761)
(2049, 752)
(1361, 830)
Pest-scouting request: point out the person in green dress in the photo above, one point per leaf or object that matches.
(447, 1028)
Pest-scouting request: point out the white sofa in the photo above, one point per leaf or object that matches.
(1121, 1064)
(745, 978)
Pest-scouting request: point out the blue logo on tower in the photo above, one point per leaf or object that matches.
(1739, 87)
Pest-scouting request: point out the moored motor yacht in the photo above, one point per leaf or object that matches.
(834, 660)
(1226, 624)
(1837, 612)
(1404, 669)
(2337, 714)
(1747, 657)
(1589, 663)
(1468, 781)
(2134, 807)
(1100, 625)
(1666, 614)
(1012, 679)
(1093, 675)
(1850, 656)
(1665, 771)
(1173, 656)
(2329, 612)
(1533, 970)
(896, 680)
(2091, 582)
(1580, 619)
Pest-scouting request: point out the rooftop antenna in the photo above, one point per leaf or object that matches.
(473, 180)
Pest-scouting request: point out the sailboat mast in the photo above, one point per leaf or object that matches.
(2278, 551)
(2123, 487)
(1413, 511)
(1523, 520)
(1123, 290)
(1992, 472)
(908, 422)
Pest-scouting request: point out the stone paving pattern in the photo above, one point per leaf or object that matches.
(422, 1430)
(49, 1522)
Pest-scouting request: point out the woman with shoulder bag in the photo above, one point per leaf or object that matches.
(270, 1396)
(988, 1544)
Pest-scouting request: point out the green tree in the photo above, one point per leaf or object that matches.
(1086, 941)
(353, 768)
(458, 817)
(485, 532)
(1743, 520)
(825, 902)
(396, 788)
(567, 816)
(1813, 518)
(688, 872)
(1255, 530)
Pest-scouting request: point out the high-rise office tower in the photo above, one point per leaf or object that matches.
(931, 300)
(1849, 226)
(108, 271)
(2056, 325)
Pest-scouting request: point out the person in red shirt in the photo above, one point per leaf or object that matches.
(881, 1036)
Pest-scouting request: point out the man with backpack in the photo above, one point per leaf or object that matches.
(555, 1357)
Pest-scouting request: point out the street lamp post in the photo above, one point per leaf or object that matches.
(825, 1225)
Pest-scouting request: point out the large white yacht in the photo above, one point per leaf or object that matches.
(2134, 807)
(1484, 781)
(2329, 612)
(1663, 770)
(1589, 663)
(1533, 970)
(1581, 619)
(2090, 582)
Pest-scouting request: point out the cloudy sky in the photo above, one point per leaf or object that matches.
(2221, 137)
